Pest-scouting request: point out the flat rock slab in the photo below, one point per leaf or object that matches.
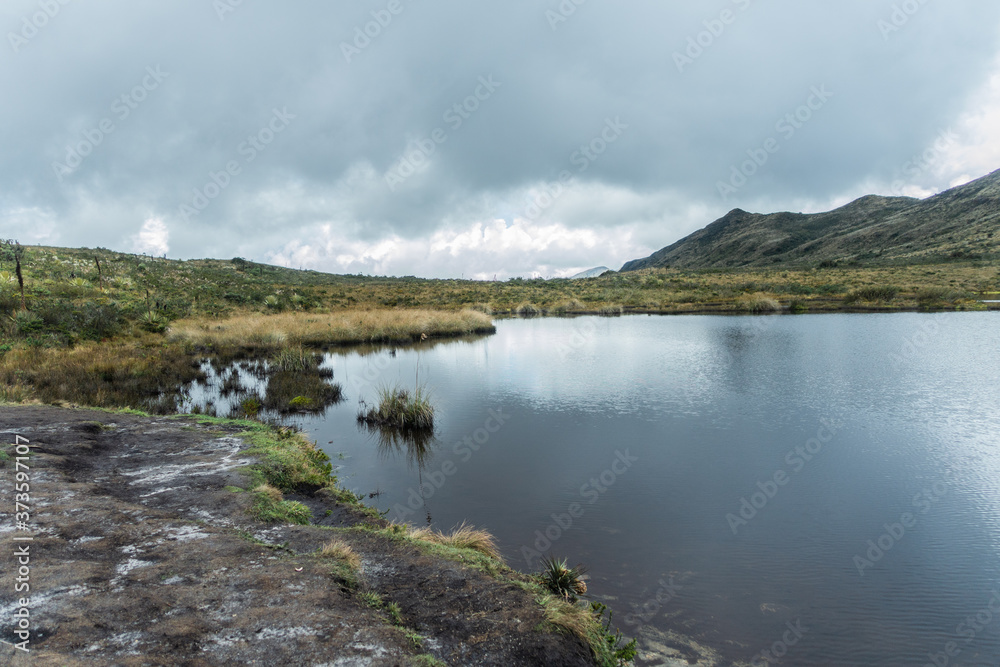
(141, 556)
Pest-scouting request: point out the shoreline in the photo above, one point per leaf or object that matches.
(156, 515)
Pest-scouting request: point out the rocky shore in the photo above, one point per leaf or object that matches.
(143, 551)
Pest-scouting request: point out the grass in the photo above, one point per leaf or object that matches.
(399, 409)
(141, 373)
(269, 506)
(872, 293)
(339, 550)
(346, 564)
(563, 580)
(266, 333)
(758, 303)
(465, 544)
(462, 537)
(586, 622)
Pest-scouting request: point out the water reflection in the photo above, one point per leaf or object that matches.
(415, 445)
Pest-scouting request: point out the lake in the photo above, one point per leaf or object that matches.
(807, 490)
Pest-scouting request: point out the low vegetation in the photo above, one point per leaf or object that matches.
(400, 409)
(586, 621)
(268, 333)
(462, 537)
(561, 579)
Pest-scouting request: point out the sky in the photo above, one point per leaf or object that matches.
(477, 140)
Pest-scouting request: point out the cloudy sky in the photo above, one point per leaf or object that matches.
(448, 138)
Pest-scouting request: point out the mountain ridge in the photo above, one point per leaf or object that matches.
(962, 222)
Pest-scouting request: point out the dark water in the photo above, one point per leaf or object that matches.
(630, 445)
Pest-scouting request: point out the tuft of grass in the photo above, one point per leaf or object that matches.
(415, 638)
(461, 537)
(758, 303)
(428, 660)
(527, 309)
(570, 306)
(269, 506)
(339, 550)
(586, 622)
(398, 408)
(561, 579)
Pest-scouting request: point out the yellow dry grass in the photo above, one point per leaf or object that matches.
(258, 331)
(340, 550)
(462, 537)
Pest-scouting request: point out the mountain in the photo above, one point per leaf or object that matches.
(961, 223)
(590, 273)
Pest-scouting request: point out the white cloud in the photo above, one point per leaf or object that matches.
(480, 250)
(152, 238)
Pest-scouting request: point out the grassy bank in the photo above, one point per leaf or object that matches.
(77, 294)
(287, 462)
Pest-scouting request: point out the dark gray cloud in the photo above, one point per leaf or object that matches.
(310, 128)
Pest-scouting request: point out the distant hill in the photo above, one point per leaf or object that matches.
(590, 273)
(961, 223)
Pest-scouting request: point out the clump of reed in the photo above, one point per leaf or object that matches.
(399, 408)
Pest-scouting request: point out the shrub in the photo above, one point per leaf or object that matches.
(27, 322)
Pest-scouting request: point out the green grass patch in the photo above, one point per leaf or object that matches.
(269, 507)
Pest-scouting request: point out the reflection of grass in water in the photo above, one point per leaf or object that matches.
(291, 391)
(415, 443)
